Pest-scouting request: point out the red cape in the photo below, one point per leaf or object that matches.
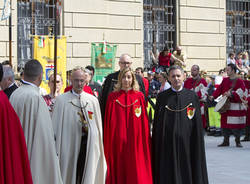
(191, 84)
(127, 141)
(14, 165)
(86, 89)
(146, 85)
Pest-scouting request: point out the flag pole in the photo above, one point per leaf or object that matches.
(55, 45)
(10, 34)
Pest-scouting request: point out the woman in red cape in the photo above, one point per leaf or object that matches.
(14, 162)
(127, 141)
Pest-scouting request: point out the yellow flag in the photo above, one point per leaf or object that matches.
(44, 53)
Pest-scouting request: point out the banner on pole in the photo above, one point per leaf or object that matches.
(5, 10)
(44, 53)
(103, 60)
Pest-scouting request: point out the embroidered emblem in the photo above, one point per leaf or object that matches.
(83, 121)
(190, 112)
(90, 115)
(138, 112)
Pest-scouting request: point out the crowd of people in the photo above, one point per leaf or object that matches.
(129, 130)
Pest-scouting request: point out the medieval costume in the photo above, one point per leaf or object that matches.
(37, 126)
(127, 139)
(108, 87)
(14, 165)
(178, 143)
(234, 119)
(78, 129)
(199, 86)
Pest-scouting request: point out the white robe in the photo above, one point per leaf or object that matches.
(37, 126)
(68, 130)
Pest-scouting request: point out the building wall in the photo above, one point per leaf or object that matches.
(202, 33)
(201, 30)
(120, 22)
(4, 36)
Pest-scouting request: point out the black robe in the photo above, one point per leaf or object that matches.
(10, 90)
(109, 85)
(178, 142)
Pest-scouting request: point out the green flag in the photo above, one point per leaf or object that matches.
(103, 62)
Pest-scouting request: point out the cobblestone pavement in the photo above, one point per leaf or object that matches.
(227, 165)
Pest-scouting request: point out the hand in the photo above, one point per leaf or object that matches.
(228, 93)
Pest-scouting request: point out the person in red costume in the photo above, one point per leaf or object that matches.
(166, 59)
(86, 88)
(14, 165)
(234, 119)
(247, 102)
(198, 85)
(127, 141)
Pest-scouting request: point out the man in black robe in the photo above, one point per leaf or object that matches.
(111, 80)
(178, 142)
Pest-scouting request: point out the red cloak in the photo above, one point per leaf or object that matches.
(235, 116)
(127, 141)
(196, 86)
(14, 164)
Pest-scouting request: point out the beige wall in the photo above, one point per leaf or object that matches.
(4, 37)
(200, 30)
(119, 21)
(202, 33)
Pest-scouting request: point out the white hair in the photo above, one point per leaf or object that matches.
(8, 72)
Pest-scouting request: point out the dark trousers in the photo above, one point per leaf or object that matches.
(226, 132)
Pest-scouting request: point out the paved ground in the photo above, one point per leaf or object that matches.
(229, 165)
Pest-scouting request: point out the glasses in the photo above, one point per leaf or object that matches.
(126, 63)
(79, 80)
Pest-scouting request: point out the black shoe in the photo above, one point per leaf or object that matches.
(239, 145)
(245, 139)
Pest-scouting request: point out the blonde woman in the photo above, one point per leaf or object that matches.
(127, 139)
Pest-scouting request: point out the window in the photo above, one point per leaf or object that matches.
(159, 27)
(34, 17)
(238, 25)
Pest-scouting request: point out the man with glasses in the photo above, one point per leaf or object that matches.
(111, 80)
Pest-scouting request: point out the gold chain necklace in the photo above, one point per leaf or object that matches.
(126, 105)
(178, 110)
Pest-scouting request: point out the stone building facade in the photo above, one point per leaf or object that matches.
(200, 30)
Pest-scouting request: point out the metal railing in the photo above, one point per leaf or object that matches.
(238, 25)
(159, 27)
(34, 17)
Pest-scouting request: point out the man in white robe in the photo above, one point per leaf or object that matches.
(79, 140)
(37, 126)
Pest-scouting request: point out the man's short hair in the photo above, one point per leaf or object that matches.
(175, 67)
(8, 72)
(91, 68)
(139, 68)
(233, 67)
(32, 69)
(77, 68)
(196, 66)
(6, 62)
(1, 72)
